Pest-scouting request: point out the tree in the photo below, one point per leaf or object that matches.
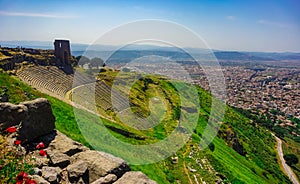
(291, 159)
(211, 146)
(81, 60)
(280, 132)
(125, 70)
(96, 62)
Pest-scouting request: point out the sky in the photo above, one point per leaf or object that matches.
(243, 25)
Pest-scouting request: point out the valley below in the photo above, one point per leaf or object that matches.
(113, 110)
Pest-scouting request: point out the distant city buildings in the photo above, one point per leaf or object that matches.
(269, 90)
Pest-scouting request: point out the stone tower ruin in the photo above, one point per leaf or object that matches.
(62, 52)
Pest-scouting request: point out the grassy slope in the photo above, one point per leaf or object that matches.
(259, 165)
(291, 147)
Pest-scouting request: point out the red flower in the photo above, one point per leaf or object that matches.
(43, 152)
(11, 129)
(17, 142)
(40, 145)
(20, 178)
(29, 181)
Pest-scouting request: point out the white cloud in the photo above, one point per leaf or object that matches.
(271, 23)
(231, 17)
(42, 15)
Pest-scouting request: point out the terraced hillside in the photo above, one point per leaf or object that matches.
(53, 81)
(242, 152)
(50, 79)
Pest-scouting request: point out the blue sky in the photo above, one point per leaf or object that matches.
(247, 25)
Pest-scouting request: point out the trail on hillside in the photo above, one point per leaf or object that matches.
(186, 171)
(286, 168)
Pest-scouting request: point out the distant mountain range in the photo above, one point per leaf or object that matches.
(133, 51)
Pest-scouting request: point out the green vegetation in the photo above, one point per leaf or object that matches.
(11, 162)
(81, 60)
(291, 159)
(219, 160)
(93, 63)
(269, 120)
(289, 146)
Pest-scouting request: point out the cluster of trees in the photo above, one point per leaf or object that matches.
(92, 63)
(269, 120)
(291, 159)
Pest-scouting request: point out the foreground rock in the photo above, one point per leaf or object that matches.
(67, 161)
(52, 174)
(78, 171)
(59, 142)
(110, 178)
(35, 117)
(59, 159)
(11, 115)
(72, 162)
(101, 164)
(134, 178)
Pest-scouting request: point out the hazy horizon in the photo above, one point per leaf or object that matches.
(267, 26)
(37, 44)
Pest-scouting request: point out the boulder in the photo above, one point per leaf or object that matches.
(63, 144)
(12, 115)
(36, 118)
(58, 159)
(77, 171)
(40, 120)
(101, 164)
(51, 174)
(40, 180)
(108, 179)
(134, 178)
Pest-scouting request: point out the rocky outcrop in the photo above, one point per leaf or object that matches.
(40, 119)
(71, 162)
(67, 161)
(110, 178)
(51, 174)
(134, 178)
(77, 171)
(11, 115)
(60, 143)
(101, 164)
(59, 159)
(34, 117)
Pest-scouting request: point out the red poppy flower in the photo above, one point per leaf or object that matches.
(20, 178)
(40, 145)
(11, 129)
(17, 142)
(29, 181)
(43, 152)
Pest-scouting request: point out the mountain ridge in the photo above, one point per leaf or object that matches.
(79, 49)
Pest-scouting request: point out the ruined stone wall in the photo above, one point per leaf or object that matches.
(62, 52)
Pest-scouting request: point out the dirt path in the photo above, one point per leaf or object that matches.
(286, 168)
(186, 171)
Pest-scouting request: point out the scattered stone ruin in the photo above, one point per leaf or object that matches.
(62, 52)
(67, 161)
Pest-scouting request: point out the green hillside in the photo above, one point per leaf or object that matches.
(241, 153)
